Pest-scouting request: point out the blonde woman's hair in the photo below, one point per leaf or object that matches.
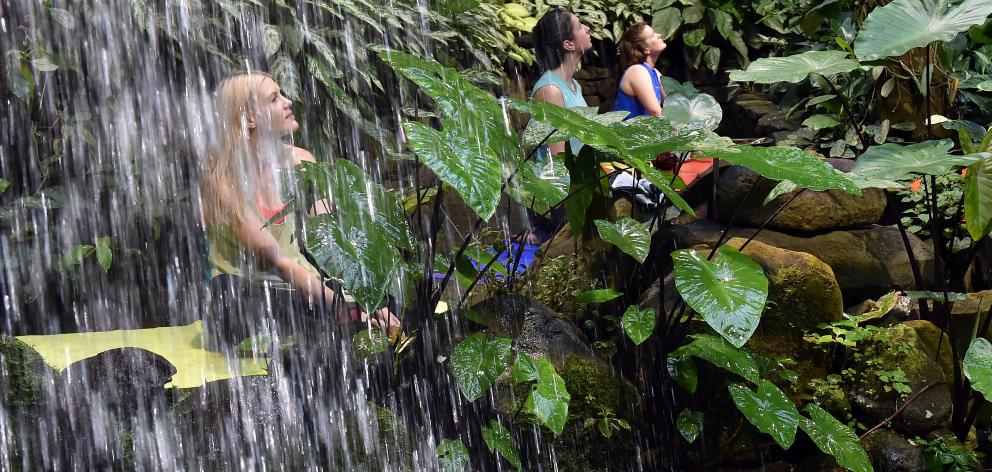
(231, 169)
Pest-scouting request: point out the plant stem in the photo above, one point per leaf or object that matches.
(908, 401)
(847, 108)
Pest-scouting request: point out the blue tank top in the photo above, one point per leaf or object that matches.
(632, 104)
(572, 97)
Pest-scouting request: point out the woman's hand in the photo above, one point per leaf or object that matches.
(388, 322)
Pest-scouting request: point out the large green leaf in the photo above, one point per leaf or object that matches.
(729, 291)
(476, 176)
(597, 296)
(978, 199)
(769, 410)
(359, 243)
(835, 438)
(283, 70)
(795, 68)
(638, 323)
(701, 108)
(524, 369)
(477, 361)
(894, 161)
(719, 352)
(540, 186)
(684, 372)
(452, 456)
(549, 399)
(588, 131)
(499, 440)
(666, 21)
(902, 25)
(536, 131)
(788, 163)
(978, 366)
(628, 235)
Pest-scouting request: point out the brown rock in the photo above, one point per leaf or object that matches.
(592, 73)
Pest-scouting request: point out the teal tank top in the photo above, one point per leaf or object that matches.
(572, 97)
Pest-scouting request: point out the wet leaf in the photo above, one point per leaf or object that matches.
(690, 424)
(835, 438)
(628, 235)
(885, 303)
(978, 366)
(597, 296)
(452, 456)
(271, 40)
(729, 291)
(477, 361)
(638, 323)
(719, 352)
(103, 253)
(283, 70)
(524, 369)
(894, 161)
(549, 399)
(63, 17)
(788, 163)
(795, 68)
(180, 345)
(540, 186)
(818, 122)
(588, 131)
(701, 108)
(978, 199)
(684, 372)
(769, 410)
(476, 176)
(369, 342)
(893, 29)
(4, 184)
(44, 63)
(499, 440)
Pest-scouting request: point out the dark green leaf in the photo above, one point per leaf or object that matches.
(978, 366)
(719, 352)
(795, 68)
(835, 438)
(588, 131)
(549, 399)
(818, 122)
(901, 25)
(638, 323)
(597, 296)
(788, 163)
(477, 361)
(498, 440)
(283, 70)
(524, 369)
(690, 424)
(683, 370)
(628, 235)
(894, 161)
(978, 199)
(456, 159)
(769, 410)
(452, 456)
(693, 38)
(729, 291)
(540, 186)
(666, 21)
(369, 342)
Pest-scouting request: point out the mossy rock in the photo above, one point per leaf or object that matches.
(802, 293)
(933, 338)
(24, 374)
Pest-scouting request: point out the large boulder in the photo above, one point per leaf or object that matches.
(741, 187)
(802, 293)
(893, 452)
(866, 262)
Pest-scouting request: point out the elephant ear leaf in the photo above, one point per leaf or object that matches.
(978, 199)
(835, 438)
(894, 29)
(978, 366)
(795, 68)
(769, 410)
(628, 235)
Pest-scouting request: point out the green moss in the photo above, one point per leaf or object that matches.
(799, 299)
(557, 282)
(23, 373)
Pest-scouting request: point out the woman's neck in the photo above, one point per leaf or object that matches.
(568, 66)
(651, 60)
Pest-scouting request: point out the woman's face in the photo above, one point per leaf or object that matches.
(580, 36)
(274, 112)
(653, 43)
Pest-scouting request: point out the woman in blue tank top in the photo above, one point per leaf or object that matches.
(640, 91)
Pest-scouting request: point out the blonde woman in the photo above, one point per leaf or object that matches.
(242, 191)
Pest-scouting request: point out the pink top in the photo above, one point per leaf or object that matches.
(268, 213)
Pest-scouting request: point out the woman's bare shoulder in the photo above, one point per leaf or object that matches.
(300, 155)
(550, 93)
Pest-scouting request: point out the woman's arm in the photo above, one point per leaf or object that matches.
(638, 81)
(552, 94)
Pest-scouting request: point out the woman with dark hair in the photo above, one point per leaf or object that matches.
(560, 40)
(640, 91)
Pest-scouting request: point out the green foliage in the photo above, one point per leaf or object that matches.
(795, 68)
(607, 424)
(498, 440)
(769, 410)
(685, 111)
(916, 216)
(638, 323)
(949, 456)
(683, 370)
(477, 361)
(628, 235)
(452, 456)
(706, 27)
(893, 29)
(719, 352)
(894, 161)
(549, 399)
(895, 380)
(597, 296)
(369, 342)
(978, 199)
(729, 291)
(788, 163)
(835, 438)
(978, 366)
(690, 424)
